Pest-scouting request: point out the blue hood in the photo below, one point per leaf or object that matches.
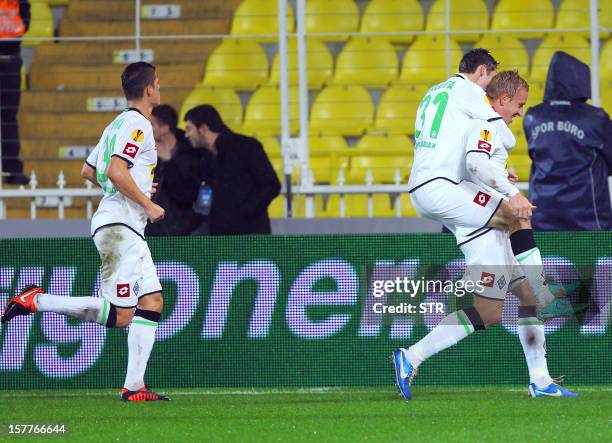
(568, 79)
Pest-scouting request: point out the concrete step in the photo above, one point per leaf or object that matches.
(103, 53)
(202, 26)
(126, 10)
(58, 102)
(60, 77)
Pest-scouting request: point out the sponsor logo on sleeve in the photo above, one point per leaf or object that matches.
(123, 290)
(483, 145)
(138, 135)
(487, 279)
(482, 199)
(131, 150)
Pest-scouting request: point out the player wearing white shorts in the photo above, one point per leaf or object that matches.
(122, 164)
(468, 209)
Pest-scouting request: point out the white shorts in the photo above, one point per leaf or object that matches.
(490, 260)
(127, 269)
(465, 204)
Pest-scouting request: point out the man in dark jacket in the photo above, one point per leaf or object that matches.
(14, 22)
(570, 144)
(177, 174)
(238, 171)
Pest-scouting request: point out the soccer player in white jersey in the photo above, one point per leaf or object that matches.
(488, 255)
(122, 164)
(436, 187)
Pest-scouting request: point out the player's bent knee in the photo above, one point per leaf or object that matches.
(151, 302)
(123, 317)
(504, 217)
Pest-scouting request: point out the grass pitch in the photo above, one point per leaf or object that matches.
(454, 414)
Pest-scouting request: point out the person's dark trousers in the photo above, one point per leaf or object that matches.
(10, 90)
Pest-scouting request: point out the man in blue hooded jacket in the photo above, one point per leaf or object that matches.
(570, 144)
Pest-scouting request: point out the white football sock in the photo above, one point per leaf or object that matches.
(92, 309)
(531, 333)
(452, 329)
(140, 342)
(531, 262)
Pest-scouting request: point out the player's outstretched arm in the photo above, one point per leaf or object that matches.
(119, 174)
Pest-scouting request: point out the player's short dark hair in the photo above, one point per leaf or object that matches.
(165, 115)
(475, 58)
(135, 78)
(206, 114)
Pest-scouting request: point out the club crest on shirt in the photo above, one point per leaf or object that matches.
(130, 150)
(137, 135)
(485, 134)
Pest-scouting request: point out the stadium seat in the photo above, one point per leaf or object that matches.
(536, 94)
(319, 64)
(253, 17)
(325, 169)
(225, 100)
(465, 15)
(520, 162)
(327, 145)
(606, 95)
(572, 44)
(523, 14)
(383, 144)
(41, 23)
(393, 16)
(272, 146)
(517, 129)
(338, 16)
(356, 205)
(263, 113)
(397, 108)
(342, 110)
(576, 14)
(382, 168)
(425, 60)
(237, 64)
(508, 51)
(605, 61)
(367, 61)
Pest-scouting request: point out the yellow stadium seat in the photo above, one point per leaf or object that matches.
(319, 64)
(407, 208)
(536, 94)
(366, 61)
(254, 17)
(520, 163)
(263, 113)
(322, 145)
(508, 51)
(342, 110)
(393, 16)
(425, 60)
(226, 101)
(326, 169)
(382, 168)
(271, 145)
(605, 61)
(572, 44)
(576, 14)
(523, 14)
(397, 108)
(356, 205)
(41, 23)
(24, 78)
(517, 129)
(382, 144)
(606, 95)
(237, 64)
(277, 207)
(337, 16)
(465, 15)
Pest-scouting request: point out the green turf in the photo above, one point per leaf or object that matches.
(456, 414)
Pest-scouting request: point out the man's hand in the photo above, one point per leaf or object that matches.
(522, 207)
(154, 212)
(153, 188)
(512, 177)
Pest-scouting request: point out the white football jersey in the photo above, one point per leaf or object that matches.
(130, 137)
(442, 116)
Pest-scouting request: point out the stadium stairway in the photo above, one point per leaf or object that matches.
(58, 109)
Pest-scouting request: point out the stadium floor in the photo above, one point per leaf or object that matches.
(485, 413)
